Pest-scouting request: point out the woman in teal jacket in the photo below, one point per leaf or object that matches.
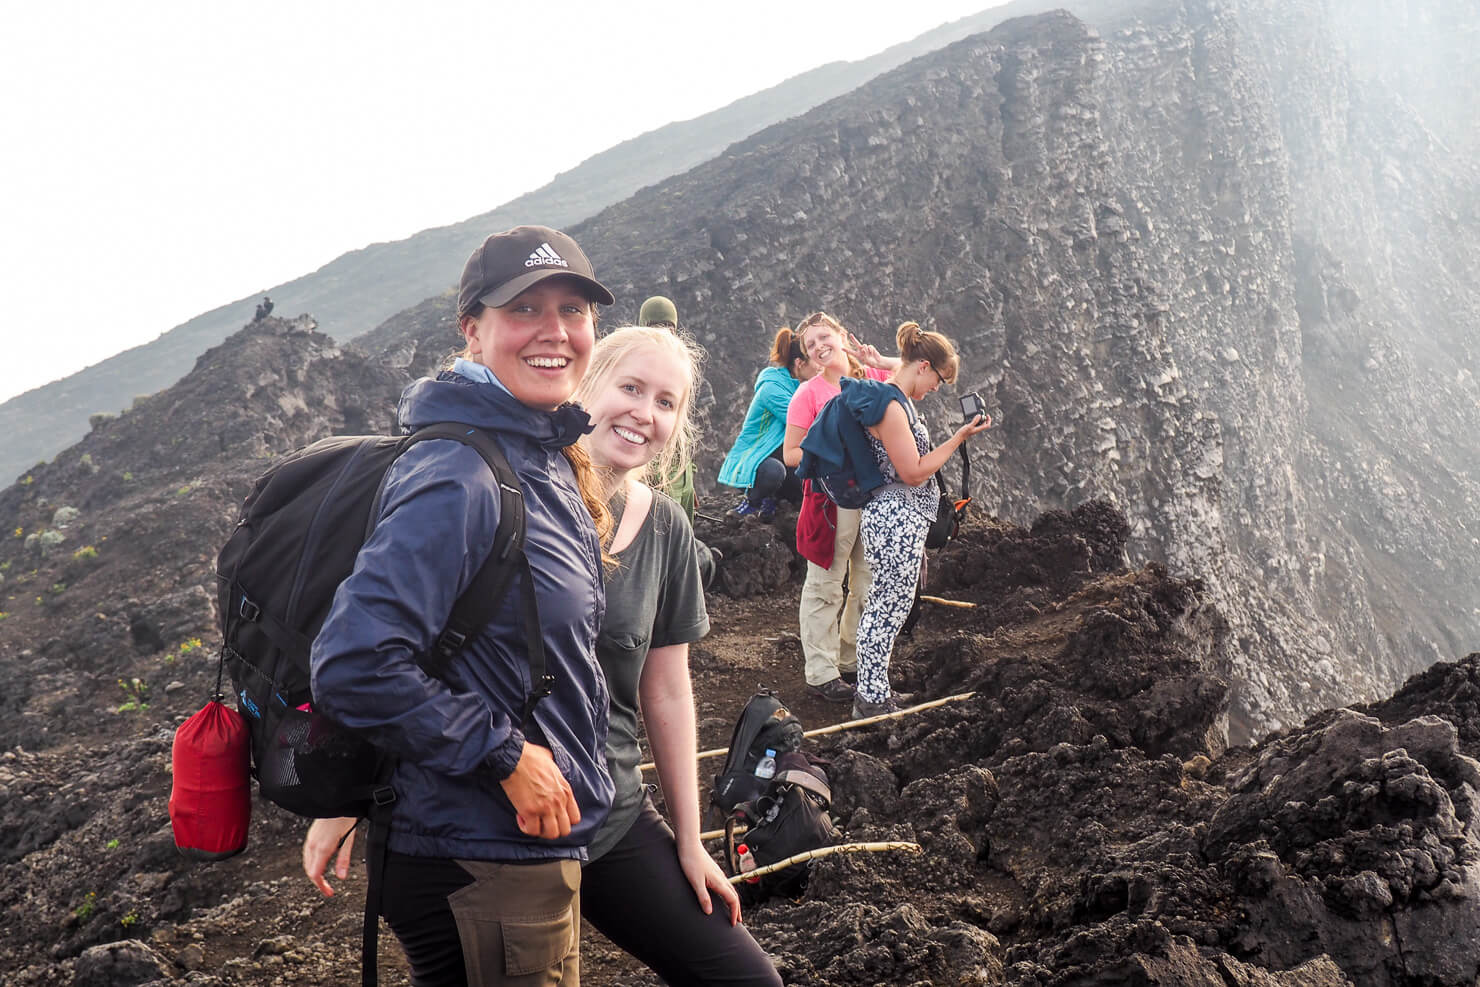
(754, 462)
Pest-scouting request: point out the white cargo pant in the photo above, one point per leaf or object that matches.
(830, 646)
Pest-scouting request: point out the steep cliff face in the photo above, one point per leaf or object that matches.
(1387, 235)
(1197, 262)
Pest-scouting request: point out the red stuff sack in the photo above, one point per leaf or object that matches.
(211, 800)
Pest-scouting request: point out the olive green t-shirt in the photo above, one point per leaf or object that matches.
(682, 490)
(653, 600)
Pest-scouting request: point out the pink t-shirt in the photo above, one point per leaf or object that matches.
(813, 394)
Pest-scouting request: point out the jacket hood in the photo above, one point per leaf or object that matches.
(778, 374)
(451, 397)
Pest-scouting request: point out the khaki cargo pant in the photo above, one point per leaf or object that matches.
(520, 924)
(828, 643)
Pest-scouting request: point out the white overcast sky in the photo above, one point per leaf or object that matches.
(162, 158)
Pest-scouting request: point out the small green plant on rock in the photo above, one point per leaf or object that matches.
(186, 646)
(112, 844)
(136, 691)
(84, 911)
(129, 919)
(85, 554)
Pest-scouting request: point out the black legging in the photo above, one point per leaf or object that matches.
(773, 478)
(637, 895)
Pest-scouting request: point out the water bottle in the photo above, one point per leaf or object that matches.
(747, 862)
(766, 766)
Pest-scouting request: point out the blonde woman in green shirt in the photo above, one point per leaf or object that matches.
(651, 889)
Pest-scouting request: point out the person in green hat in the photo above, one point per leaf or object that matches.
(660, 312)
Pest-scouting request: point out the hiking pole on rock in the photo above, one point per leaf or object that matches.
(806, 855)
(942, 601)
(870, 720)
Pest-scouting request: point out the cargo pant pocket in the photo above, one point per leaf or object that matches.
(520, 923)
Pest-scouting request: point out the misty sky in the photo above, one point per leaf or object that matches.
(162, 159)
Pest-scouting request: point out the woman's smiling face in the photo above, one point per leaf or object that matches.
(539, 344)
(824, 346)
(635, 410)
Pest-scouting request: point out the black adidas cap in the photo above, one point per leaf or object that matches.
(509, 262)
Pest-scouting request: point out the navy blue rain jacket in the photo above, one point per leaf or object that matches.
(838, 437)
(457, 739)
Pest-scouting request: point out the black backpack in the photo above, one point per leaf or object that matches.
(764, 724)
(300, 530)
(789, 817)
(950, 512)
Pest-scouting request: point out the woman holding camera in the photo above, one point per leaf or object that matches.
(893, 524)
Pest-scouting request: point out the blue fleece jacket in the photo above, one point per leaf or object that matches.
(764, 428)
(838, 436)
(457, 739)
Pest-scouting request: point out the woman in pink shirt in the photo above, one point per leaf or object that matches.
(827, 536)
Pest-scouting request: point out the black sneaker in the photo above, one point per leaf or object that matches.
(862, 708)
(833, 690)
(849, 675)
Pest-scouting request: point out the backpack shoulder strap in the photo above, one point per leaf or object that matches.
(476, 606)
(806, 780)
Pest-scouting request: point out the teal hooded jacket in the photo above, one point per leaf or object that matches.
(764, 428)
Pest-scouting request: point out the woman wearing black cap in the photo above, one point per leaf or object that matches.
(477, 789)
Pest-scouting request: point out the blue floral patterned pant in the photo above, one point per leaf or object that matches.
(894, 545)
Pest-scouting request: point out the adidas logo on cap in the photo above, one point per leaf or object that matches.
(545, 256)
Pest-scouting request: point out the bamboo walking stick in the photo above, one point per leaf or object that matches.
(942, 601)
(826, 851)
(870, 720)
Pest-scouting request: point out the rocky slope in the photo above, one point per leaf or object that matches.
(1202, 261)
(1082, 818)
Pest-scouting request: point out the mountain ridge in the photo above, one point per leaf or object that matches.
(354, 292)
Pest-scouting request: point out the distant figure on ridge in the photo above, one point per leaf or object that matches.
(264, 309)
